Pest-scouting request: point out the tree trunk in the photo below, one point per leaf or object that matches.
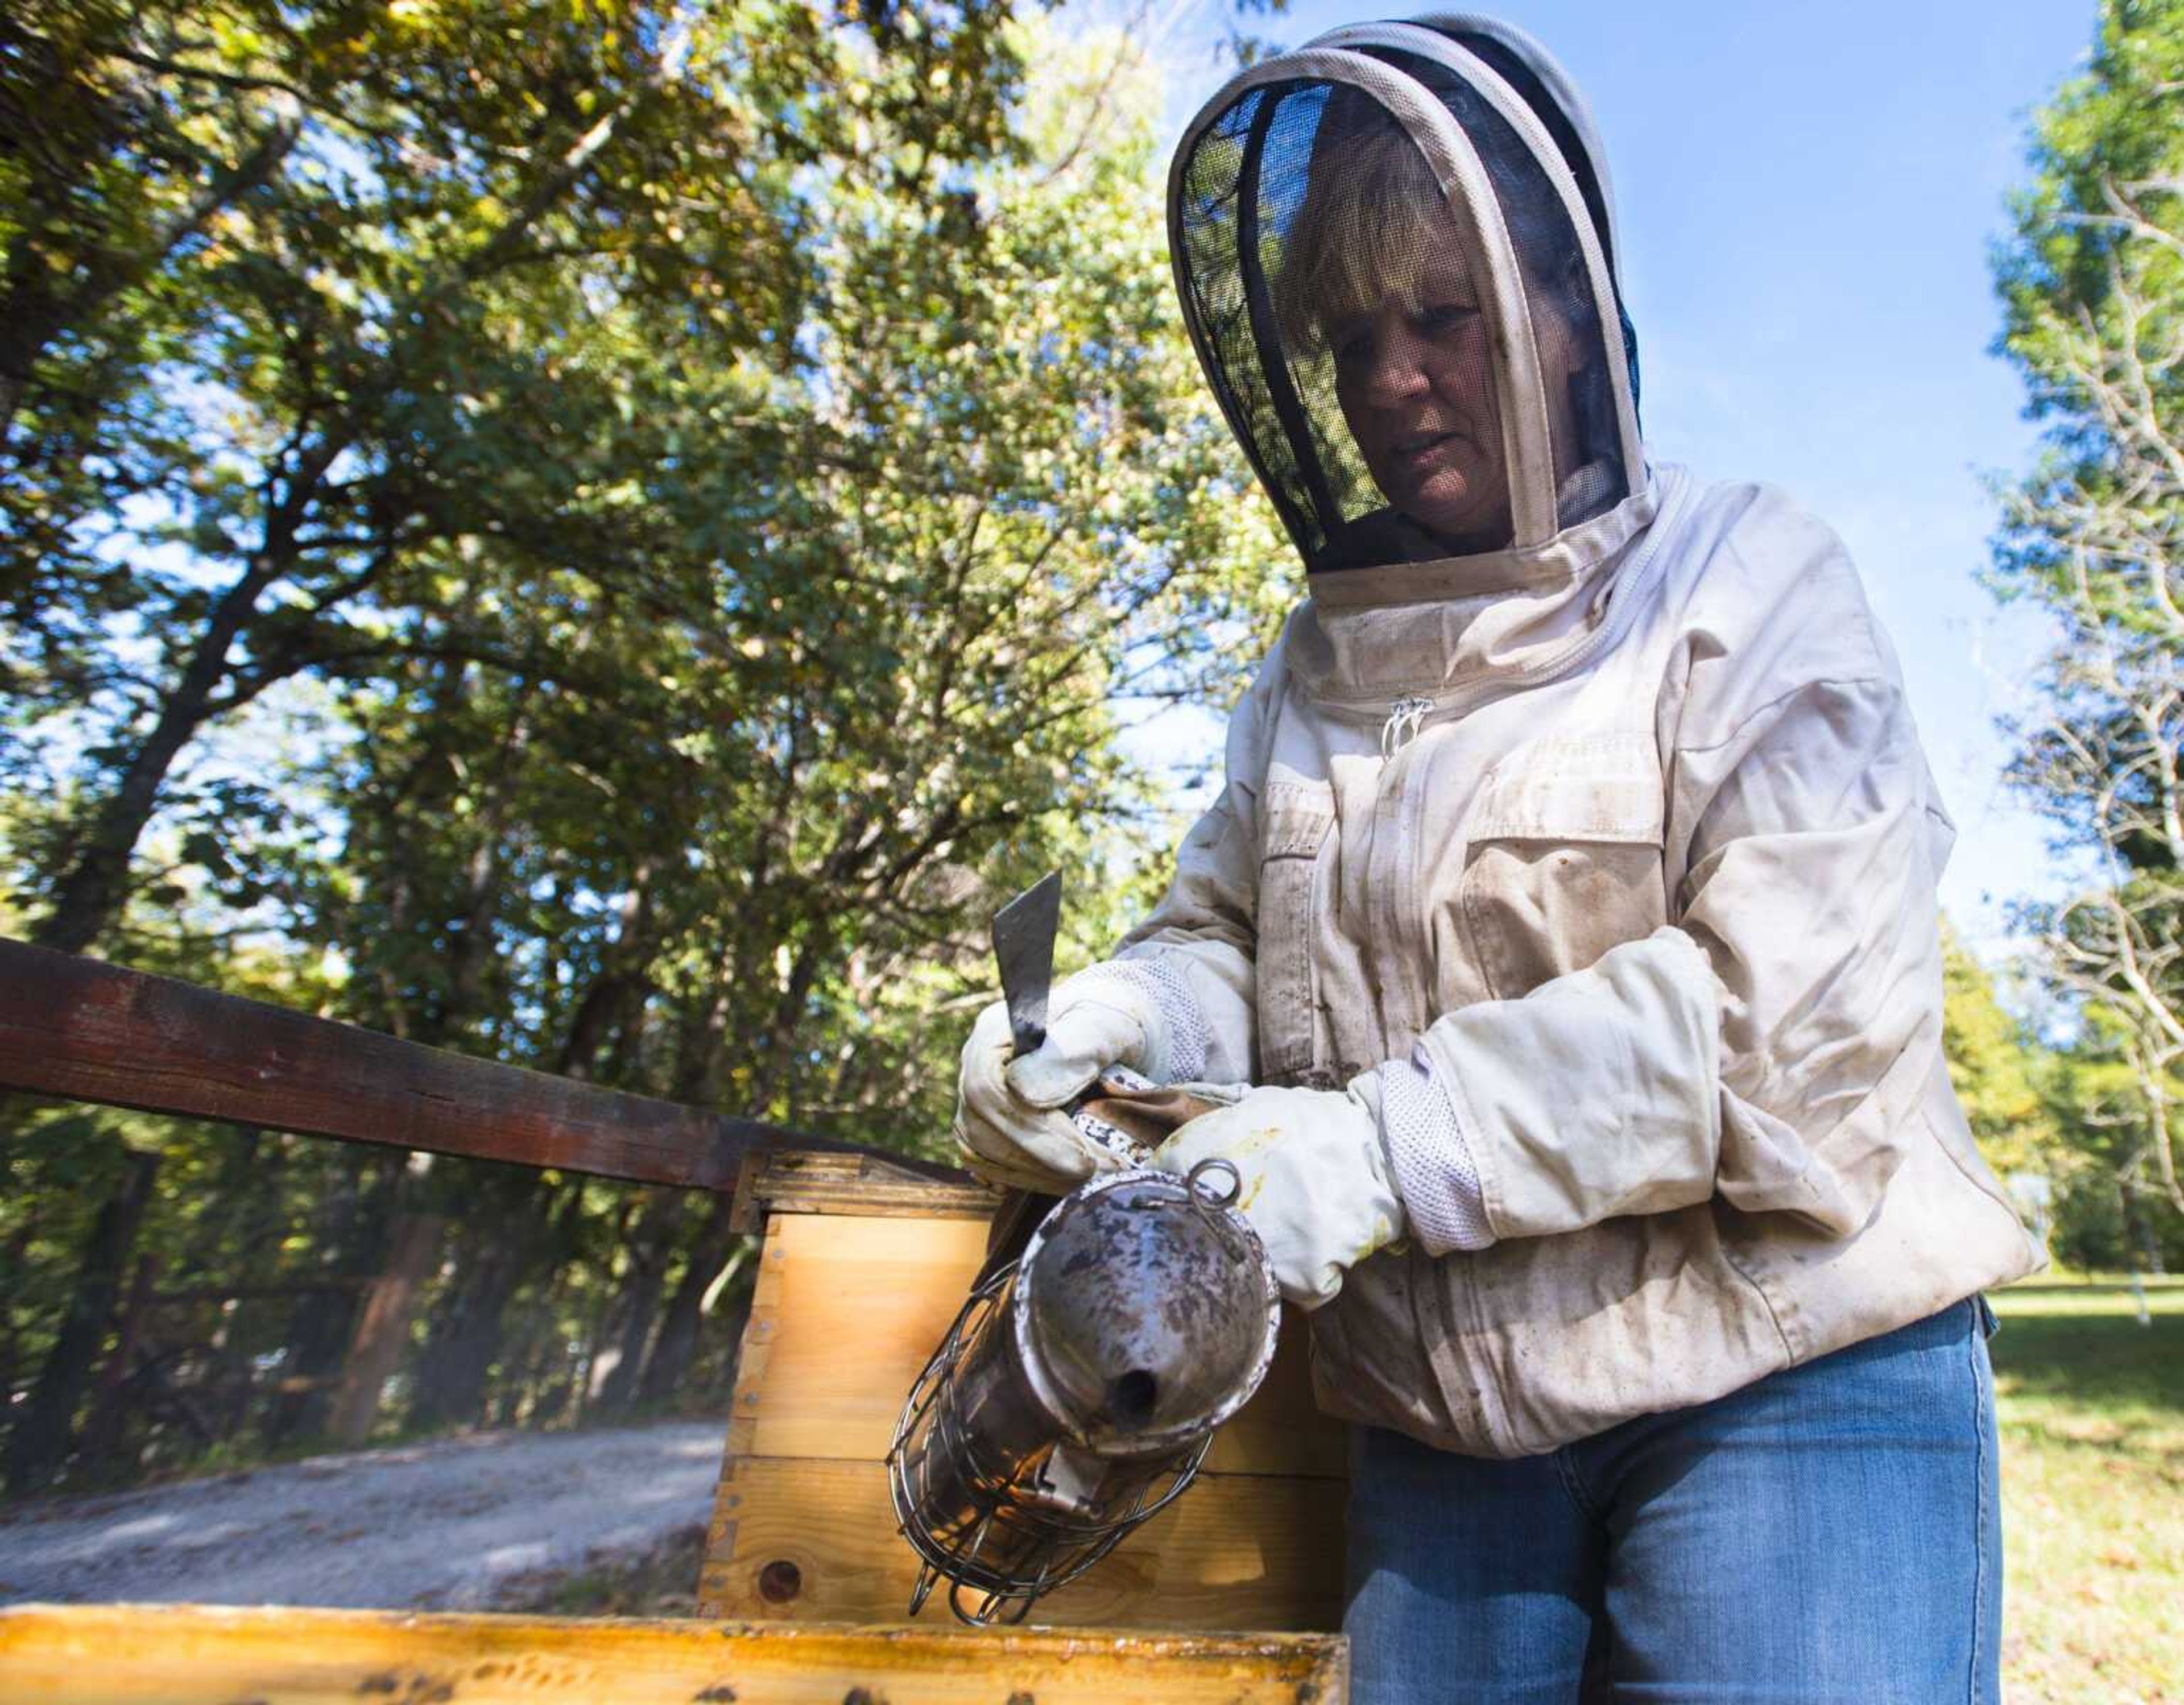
(675, 1348)
(351, 1236)
(45, 1434)
(241, 1205)
(2144, 1248)
(498, 1240)
(12, 1263)
(616, 998)
(534, 1385)
(102, 1432)
(777, 1065)
(697, 1068)
(90, 892)
(471, 949)
(651, 1247)
(382, 1328)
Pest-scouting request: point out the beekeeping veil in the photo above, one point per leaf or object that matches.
(1394, 248)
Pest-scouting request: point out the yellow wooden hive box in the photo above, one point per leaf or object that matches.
(859, 1276)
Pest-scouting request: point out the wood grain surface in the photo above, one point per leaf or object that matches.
(846, 1309)
(203, 1655)
(1235, 1551)
(93, 1032)
(796, 1182)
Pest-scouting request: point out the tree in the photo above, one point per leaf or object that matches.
(128, 131)
(376, 347)
(309, 382)
(849, 685)
(2110, 1211)
(1995, 1067)
(711, 606)
(2092, 285)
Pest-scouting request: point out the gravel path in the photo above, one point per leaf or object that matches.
(436, 1524)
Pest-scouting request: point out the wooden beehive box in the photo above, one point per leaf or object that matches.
(860, 1274)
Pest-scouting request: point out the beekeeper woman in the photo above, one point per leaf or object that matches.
(1570, 904)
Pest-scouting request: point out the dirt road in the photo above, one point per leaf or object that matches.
(438, 1525)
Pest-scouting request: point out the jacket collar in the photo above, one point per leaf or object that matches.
(1366, 634)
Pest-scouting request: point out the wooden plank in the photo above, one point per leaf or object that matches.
(853, 1306)
(202, 1655)
(798, 1182)
(817, 1540)
(93, 1032)
(753, 1354)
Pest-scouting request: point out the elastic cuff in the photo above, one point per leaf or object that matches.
(1183, 1023)
(1434, 1172)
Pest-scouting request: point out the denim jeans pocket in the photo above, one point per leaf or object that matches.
(1988, 1325)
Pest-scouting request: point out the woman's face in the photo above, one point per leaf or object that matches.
(1414, 375)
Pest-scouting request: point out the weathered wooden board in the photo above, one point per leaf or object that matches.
(203, 1655)
(791, 1181)
(848, 1308)
(814, 1540)
(93, 1032)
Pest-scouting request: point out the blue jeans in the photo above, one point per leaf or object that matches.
(1830, 1533)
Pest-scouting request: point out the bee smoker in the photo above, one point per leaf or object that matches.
(1078, 1388)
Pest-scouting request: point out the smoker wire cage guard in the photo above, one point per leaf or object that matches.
(1009, 1554)
(1003, 1478)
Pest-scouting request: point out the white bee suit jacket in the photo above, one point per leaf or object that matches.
(1630, 844)
(1585, 788)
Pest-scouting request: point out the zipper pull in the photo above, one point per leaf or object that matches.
(1405, 717)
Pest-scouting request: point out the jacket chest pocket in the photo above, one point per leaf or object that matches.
(1562, 859)
(1296, 818)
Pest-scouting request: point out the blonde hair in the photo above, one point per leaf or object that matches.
(1372, 212)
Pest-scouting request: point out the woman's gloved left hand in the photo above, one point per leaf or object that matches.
(1313, 1175)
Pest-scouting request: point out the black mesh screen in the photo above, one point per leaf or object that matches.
(1506, 64)
(1231, 223)
(1348, 339)
(1501, 59)
(1304, 211)
(1574, 353)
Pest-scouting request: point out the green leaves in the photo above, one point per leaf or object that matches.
(616, 551)
(2093, 287)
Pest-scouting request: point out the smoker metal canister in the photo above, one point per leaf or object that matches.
(1142, 1313)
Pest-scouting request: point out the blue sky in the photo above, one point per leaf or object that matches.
(1807, 197)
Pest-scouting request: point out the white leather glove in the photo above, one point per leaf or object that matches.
(1013, 1125)
(1314, 1178)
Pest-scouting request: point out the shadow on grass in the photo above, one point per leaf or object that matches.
(2098, 1361)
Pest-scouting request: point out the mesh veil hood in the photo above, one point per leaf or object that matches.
(1396, 252)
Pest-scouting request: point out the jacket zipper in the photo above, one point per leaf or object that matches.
(1406, 720)
(1404, 717)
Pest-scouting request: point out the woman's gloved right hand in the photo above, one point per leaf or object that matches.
(1013, 1124)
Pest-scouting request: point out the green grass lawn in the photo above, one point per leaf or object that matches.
(2092, 1407)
